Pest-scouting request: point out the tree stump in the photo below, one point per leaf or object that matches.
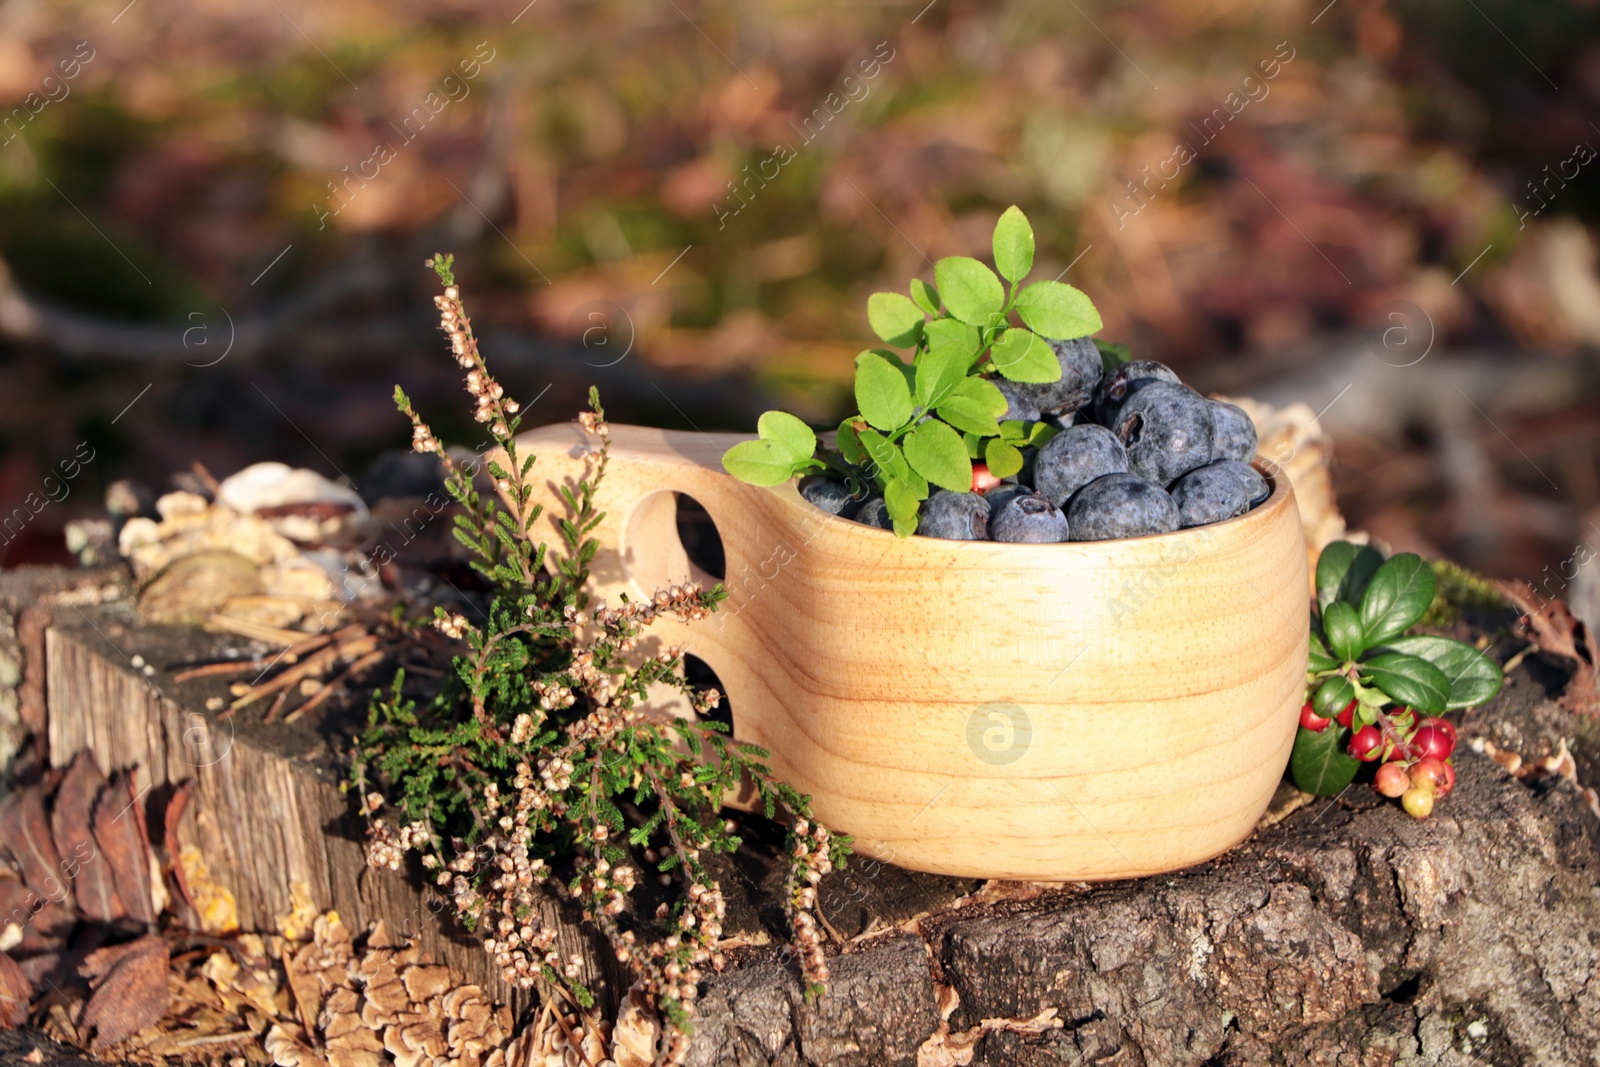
(1342, 932)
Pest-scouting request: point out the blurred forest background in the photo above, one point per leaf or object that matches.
(214, 216)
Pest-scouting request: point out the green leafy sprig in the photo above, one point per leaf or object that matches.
(922, 422)
(1361, 652)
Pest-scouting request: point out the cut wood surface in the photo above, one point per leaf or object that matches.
(974, 708)
(1340, 932)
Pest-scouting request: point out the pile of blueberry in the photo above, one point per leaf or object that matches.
(1137, 452)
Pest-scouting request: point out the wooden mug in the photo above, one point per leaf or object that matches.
(1058, 712)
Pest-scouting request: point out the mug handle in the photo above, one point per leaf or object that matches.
(640, 550)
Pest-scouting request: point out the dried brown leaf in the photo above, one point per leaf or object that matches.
(1557, 630)
(92, 884)
(170, 818)
(130, 990)
(26, 833)
(122, 845)
(15, 993)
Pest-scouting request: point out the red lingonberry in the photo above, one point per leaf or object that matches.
(1367, 744)
(982, 480)
(1346, 718)
(1432, 741)
(1311, 720)
(1391, 780)
(1428, 773)
(1449, 780)
(1440, 724)
(1418, 802)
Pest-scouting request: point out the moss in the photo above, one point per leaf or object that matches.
(1459, 589)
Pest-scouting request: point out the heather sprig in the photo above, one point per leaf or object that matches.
(537, 769)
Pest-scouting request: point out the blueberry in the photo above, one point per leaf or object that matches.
(1075, 457)
(1120, 505)
(1080, 373)
(875, 513)
(1029, 518)
(1236, 434)
(954, 516)
(1218, 491)
(1122, 383)
(999, 496)
(1167, 430)
(1019, 405)
(833, 496)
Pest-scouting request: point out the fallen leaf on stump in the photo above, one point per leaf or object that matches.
(130, 990)
(92, 878)
(119, 833)
(1557, 630)
(15, 993)
(26, 833)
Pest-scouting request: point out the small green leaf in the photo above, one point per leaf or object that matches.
(1013, 245)
(1023, 356)
(788, 433)
(939, 371)
(1112, 354)
(887, 462)
(1408, 679)
(902, 503)
(1058, 311)
(953, 332)
(971, 291)
(1040, 434)
(973, 442)
(1343, 570)
(935, 451)
(882, 394)
(925, 296)
(1333, 696)
(849, 442)
(1002, 458)
(973, 405)
(759, 463)
(1015, 431)
(895, 319)
(1397, 596)
(1474, 677)
(1321, 658)
(1319, 763)
(1343, 627)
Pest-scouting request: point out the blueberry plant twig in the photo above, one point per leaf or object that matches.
(508, 780)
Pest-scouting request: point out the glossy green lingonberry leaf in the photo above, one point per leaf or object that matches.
(1321, 658)
(1407, 679)
(1396, 597)
(1333, 696)
(935, 451)
(1474, 678)
(939, 372)
(1002, 458)
(1023, 356)
(1013, 245)
(972, 406)
(1343, 571)
(925, 296)
(763, 463)
(902, 503)
(882, 394)
(1058, 311)
(1342, 626)
(970, 290)
(895, 319)
(788, 433)
(1319, 763)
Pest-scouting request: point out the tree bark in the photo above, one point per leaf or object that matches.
(1342, 932)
